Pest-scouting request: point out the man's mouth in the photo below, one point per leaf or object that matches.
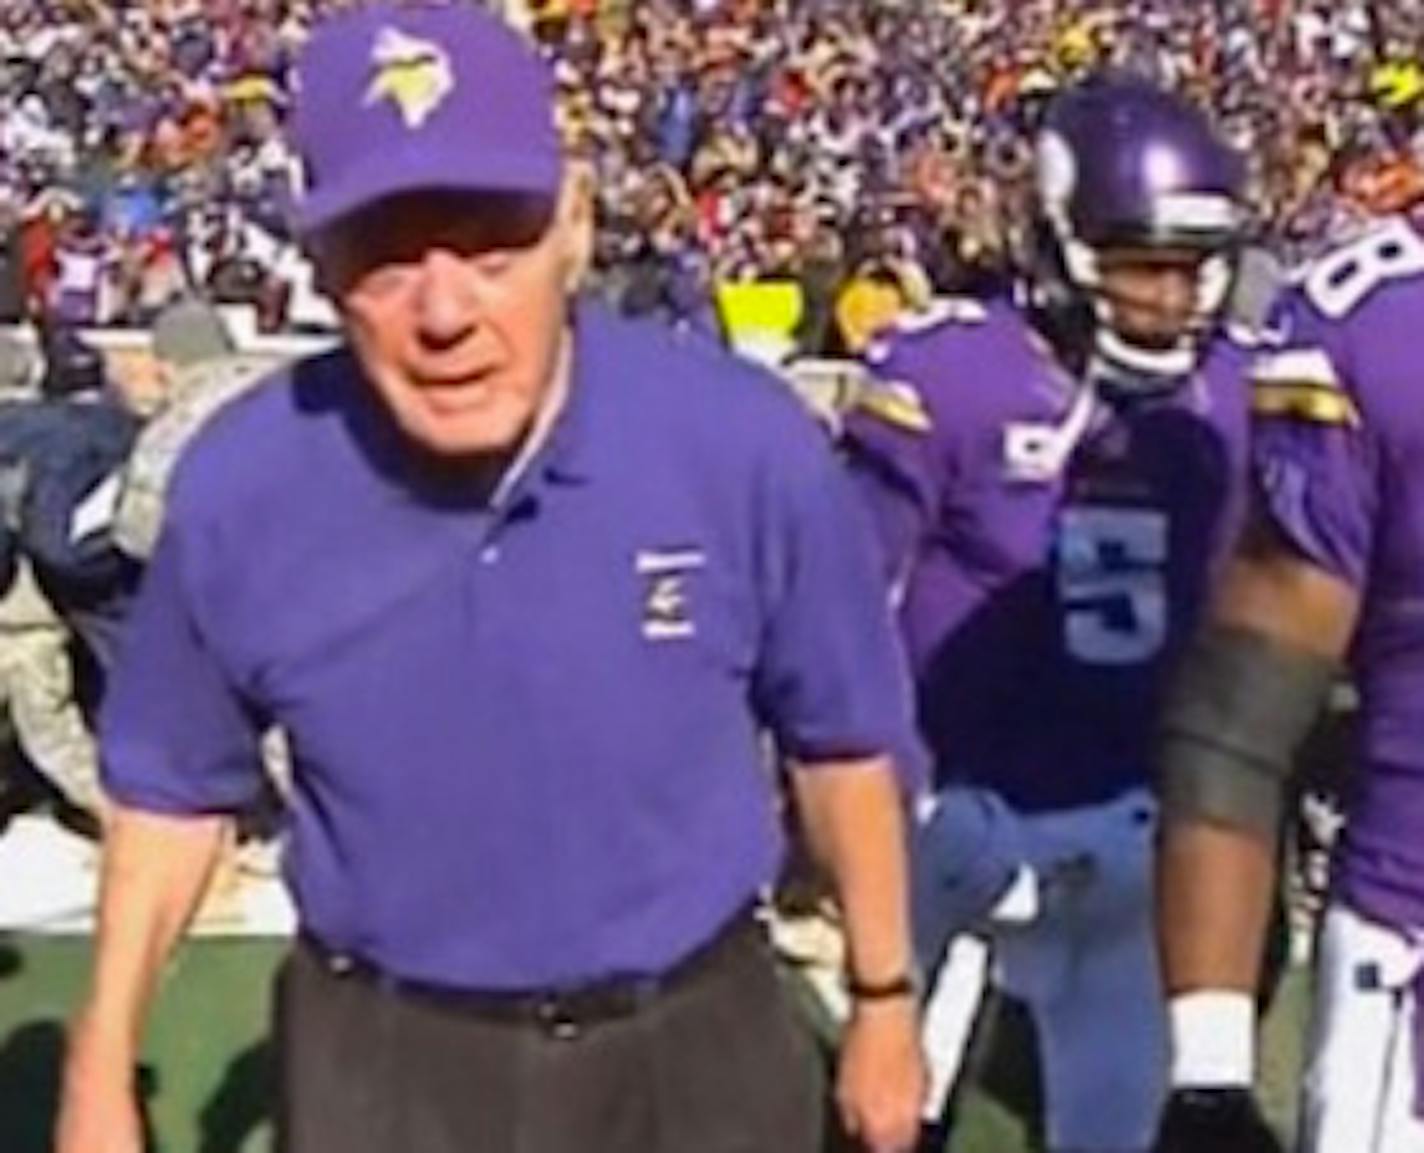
(452, 394)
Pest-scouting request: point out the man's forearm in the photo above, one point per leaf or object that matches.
(155, 871)
(1215, 887)
(855, 824)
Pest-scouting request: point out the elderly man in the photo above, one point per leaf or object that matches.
(525, 585)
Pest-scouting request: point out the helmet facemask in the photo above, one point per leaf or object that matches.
(1133, 351)
(1135, 193)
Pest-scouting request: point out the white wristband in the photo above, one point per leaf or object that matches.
(1213, 1039)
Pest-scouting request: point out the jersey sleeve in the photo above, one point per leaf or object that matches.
(895, 452)
(1314, 455)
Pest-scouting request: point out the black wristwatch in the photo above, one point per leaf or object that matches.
(890, 989)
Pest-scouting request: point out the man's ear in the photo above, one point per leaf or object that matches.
(576, 211)
(323, 282)
(319, 256)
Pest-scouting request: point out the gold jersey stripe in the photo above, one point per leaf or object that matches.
(897, 405)
(1305, 402)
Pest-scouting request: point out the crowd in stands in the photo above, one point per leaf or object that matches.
(872, 152)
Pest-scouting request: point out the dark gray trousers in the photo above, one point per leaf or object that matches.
(720, 1063)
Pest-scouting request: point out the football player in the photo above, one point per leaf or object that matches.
(1331, 565)
(1055, 476)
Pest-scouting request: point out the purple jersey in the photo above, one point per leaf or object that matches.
(1339, 448)
(1051, 549)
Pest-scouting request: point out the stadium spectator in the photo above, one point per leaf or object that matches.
(137, 115)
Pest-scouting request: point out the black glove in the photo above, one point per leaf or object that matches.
(1215, 1121)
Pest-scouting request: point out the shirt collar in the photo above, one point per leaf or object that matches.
(567, 455)
(541, 436)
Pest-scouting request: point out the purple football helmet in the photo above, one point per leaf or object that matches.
(1122, 163)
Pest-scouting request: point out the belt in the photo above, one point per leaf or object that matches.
(562, 1012)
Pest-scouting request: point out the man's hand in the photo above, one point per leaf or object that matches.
(99, 1110)
(881, 1082)
(1215, 1121)
(156, 867)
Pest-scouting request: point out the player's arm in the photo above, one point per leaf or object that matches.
(1243, 704)
(1244, 700)
(1248, 695)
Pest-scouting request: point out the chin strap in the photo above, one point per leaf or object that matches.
(1140, 369)
(1116, 380)
(1131, 368)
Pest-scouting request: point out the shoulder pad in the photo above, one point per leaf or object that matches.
(940, 311)
(1301, 384)
(1251, 337)
(1389, 250)
(896, 403)
(1337, 238)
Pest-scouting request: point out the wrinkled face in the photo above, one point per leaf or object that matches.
(1153, 293)
(456, 307)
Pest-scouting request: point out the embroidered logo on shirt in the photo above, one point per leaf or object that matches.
(666, 611)
(413, 74)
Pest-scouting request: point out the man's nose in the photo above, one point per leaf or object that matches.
(1176, 291)
(447, 302)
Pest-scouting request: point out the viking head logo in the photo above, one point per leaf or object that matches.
(413, 74)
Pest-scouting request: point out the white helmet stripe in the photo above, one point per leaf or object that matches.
(1195, 212)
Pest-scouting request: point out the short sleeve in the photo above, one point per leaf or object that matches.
(891, 452)
(832, 681)
(175, 734)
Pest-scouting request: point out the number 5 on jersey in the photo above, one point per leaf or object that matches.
(1112, 584)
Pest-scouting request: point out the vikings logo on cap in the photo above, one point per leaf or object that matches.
(413, 74)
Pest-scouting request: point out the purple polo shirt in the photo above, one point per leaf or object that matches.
(528, 739)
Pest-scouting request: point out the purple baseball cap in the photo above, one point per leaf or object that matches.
(396, 97)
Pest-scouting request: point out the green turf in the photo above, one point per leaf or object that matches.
(208, 1064)
(206, 1057)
